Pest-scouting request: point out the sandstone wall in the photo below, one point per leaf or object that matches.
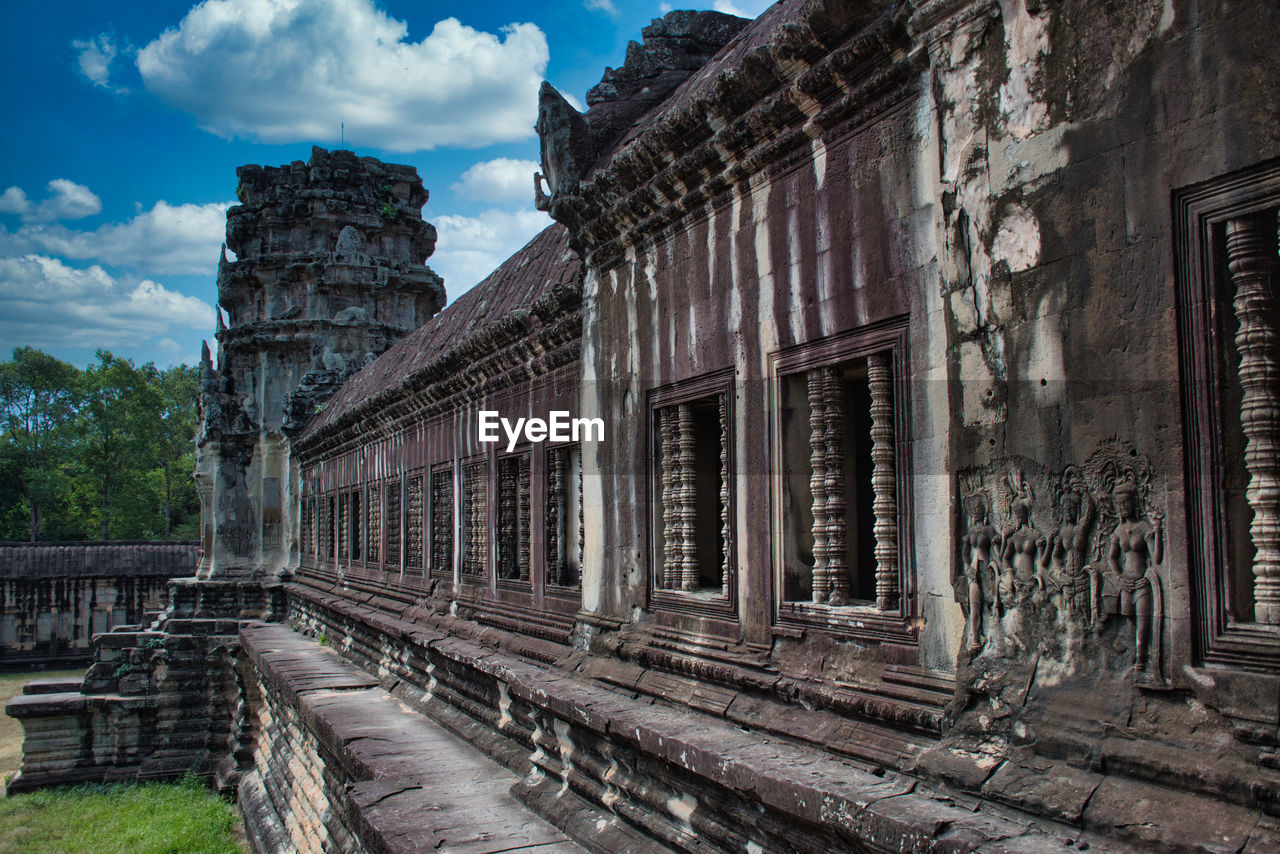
(54, 597)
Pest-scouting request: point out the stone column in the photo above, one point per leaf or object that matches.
(727, 560)
(837, 533)
(686, 512)
(884, 482)
(670, 533)
(1251, 260)
(818, 484)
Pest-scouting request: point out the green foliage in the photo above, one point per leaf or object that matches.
(155, 818)
(103, 453)
(388, 210)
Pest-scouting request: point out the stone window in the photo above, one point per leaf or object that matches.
(356, 527)
(413, 524)
(307, 524)
(442, 524)
(391, 524)
(692, 490)
(564, 520)
(1229, 314)
(513, 517)
(326, 527)
(475, 518)
(373, 535)
(344, 526)
(838, 438)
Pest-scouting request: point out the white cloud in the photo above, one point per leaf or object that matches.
(67, 200)
(664, 8)
(165, 239)
(500, 180)
(751, 9)
(14, 201)
(45, 303)
(287, 71)
(605, 6)
(94, 58)
(471, 247)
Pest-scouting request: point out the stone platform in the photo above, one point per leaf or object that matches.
(405, 783)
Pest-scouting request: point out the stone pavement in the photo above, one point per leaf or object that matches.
(357, 769)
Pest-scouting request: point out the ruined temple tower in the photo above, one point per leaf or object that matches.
(328, 273)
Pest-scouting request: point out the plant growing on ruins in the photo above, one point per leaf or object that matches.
(388, 210)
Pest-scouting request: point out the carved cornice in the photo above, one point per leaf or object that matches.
(811, 78)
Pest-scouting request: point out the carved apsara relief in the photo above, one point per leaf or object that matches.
(1054, 558)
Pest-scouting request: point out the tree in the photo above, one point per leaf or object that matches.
(38, 401)
(175, 443)
(119, 419)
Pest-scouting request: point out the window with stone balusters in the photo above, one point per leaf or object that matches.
(391, 525)
(442, 522)
(355, 528)
(837, 467)
(692, 483)
(307, 533)
(475, 519)
(514, 484)
(564, 516)
(414, 519)
(344, 526)
(326, 527)
(373, 529)
(1228, 265)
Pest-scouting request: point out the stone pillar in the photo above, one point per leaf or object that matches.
(818, 484)
(686, 510)
(884, 482)
(837, 529)
(1252, 261)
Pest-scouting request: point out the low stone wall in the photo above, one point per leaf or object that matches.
(340, 765)
(154, 704)
(54, 597)
(689, 779)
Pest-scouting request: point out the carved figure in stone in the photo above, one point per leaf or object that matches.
(1024, 546)
(1064, 560)
(978, 546)
(1136, 547)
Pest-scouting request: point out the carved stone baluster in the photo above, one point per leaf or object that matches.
(1251, 259)
(373, 526)
(670, 533)
(727, 561)
(555, 517)
(582, 519)
(522, 496)
(507, 519)
(413, 524)
(818, 485)
(837, 562)
(884, 482)
(687, 511)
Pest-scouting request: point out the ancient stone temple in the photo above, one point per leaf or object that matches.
(933, 504)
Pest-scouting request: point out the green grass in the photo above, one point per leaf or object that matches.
(152, 818)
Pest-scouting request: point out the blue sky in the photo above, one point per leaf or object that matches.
(126, 122)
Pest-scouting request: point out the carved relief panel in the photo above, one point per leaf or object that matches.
(1052, 561)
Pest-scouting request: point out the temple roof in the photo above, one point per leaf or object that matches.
(86, 559)
(545, 262)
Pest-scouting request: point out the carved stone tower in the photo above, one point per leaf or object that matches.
(328, 274)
